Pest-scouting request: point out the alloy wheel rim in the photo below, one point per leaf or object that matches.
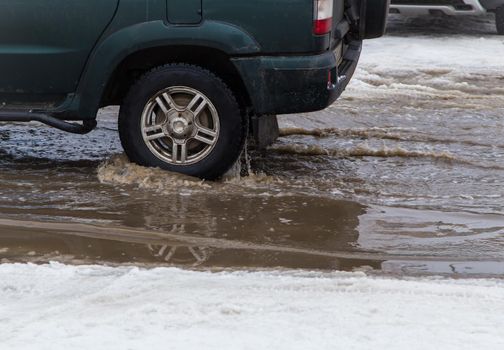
(180, 125)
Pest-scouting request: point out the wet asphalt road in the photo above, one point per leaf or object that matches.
(403, 175)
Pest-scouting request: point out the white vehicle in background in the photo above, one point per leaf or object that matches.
(451, 8)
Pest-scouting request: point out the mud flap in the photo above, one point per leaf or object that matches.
(374, 15)
(265, 130)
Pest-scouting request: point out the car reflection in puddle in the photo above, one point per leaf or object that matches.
(271, 232)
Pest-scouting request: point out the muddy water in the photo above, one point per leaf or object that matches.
(404, 175)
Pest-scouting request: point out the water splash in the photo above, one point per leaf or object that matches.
(118, 170)
(362, 150)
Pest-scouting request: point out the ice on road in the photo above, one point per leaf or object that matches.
(90, 307)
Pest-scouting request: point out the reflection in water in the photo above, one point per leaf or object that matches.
(278, 232)
(172, 254)
(201, 230)
(180, 254)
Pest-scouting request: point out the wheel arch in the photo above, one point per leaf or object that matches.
(132, 67)
(142, 46)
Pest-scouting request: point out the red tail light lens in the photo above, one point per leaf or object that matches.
(322, 16)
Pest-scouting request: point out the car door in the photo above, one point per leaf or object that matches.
(44, 45)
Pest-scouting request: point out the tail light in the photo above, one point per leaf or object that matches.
(322, 16)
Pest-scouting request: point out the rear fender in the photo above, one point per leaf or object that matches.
(116, 47)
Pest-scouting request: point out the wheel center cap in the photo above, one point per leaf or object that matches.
(179, 126)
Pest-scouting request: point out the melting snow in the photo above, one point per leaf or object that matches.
(90, 307)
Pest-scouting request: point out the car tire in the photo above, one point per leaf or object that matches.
(499, 20)
(182, 118)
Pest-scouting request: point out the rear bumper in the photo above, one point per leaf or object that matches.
(447, 7)
(297, 84)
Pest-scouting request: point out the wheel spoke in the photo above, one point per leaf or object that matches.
(193, 102)
(179, 148)
(162, 105)
(166, 103)
(183, 153)
(167, 97)
(153, 128)
(205, 135)
(157, 136)
(197, 105)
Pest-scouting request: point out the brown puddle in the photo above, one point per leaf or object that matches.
(261, 232)
(273, 232)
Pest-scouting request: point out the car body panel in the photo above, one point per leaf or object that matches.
(285, 27)
(184, 11)
(44, 45)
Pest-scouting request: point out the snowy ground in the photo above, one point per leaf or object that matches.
(479, 53)
(64, 307)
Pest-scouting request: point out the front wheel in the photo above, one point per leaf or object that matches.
(184, 119)
(499, 20)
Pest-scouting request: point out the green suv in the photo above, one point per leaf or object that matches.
(193, 78)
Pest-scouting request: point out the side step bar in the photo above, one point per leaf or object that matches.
(74, 128)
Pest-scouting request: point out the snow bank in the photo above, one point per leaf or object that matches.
(432, 64)
(452, 70)
(90, 307)
(483, 53)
